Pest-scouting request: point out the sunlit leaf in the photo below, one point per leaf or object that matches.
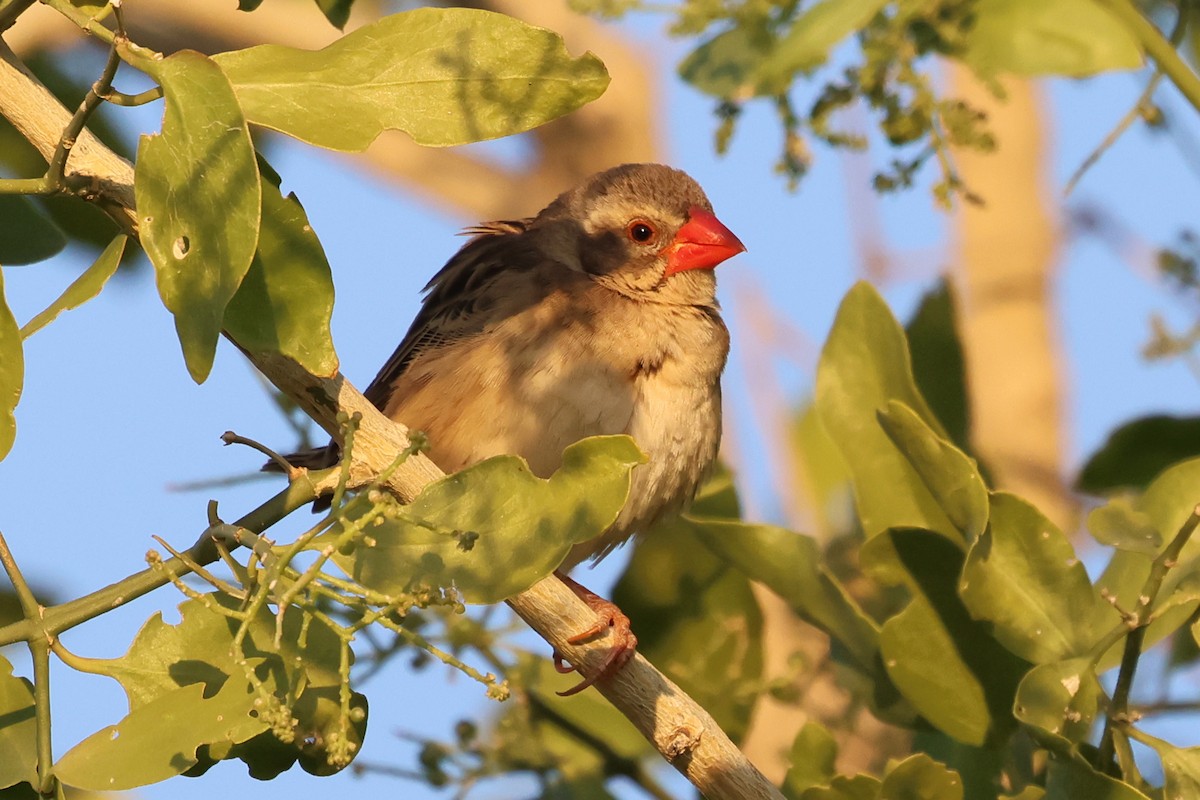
(1024, 577)
(919, 777)
(445, 76)
(285, 301)
(18, 729)
(821, 477)
(517, 526)
(814, 34)
(1118, 524)
(12, 373)
(1049, 37)
(159, 740)
(951, 476)
(864, 365)
(1059, 701)
(843, 787)
(697, 620)
(26, 235)
(1137, 451)
(1181, 769)
(198, 651)
(198, 200)
(83, 288)
(1074, 778)
(814, 751)
(727, 65)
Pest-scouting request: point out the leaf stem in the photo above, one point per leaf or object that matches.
(1133, 113)
(39, 649)
(1118, 712)
(1158, 47)
(56, 172)
(57, 619)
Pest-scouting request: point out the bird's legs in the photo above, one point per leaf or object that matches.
(608, 616)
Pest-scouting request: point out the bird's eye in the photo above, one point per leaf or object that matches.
(640, 231)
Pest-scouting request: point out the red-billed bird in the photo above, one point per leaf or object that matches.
(597, 316)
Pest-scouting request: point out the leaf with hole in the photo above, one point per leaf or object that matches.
(198, 199)
(445, 76)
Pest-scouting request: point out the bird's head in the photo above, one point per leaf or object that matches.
(644, 230)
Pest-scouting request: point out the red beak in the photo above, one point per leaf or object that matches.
(701, 244)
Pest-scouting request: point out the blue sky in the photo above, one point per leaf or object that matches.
(110, 420)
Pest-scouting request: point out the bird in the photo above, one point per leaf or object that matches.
(596, 316)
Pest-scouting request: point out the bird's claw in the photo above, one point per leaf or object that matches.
(608, 618)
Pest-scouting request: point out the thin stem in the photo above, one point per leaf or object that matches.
(1118, 712)
(1158, 48)
(57, 619)
(91, 101)
(39, 649)
(26, 186)
(132, 100)
(1133, 113)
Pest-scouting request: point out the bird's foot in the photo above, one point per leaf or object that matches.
(608, 617)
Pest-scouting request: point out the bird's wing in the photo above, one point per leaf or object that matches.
(458, 298)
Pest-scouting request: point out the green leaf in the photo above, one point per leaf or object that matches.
(1023, 576)
(1074, 778)
(919, 777)
(198, 200)
(814, 751)
(1073, 38)
(336, 11)
(814, 34)
(304, 670)
(1118, 524)
(864, 364)
(822, 481)
(83, 288)
(951, 476)
(945, 663)
(525, 525)
(938, 364)
(285, 302)
(697, 620)
(18, 729)
(159, 740)
(1164, 506)
(1137, 451)
(26, 234)
(1059, 701)
(12, 373)
(789, 564)
(445, 76)
(727, 65)
(1181, 769)
(842, 787)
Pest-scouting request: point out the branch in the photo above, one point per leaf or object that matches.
(683, 732)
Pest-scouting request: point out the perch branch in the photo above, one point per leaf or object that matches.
(683, 732)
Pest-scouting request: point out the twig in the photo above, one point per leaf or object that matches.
(1118, 712)
(1133, 113)
(1158, 48)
